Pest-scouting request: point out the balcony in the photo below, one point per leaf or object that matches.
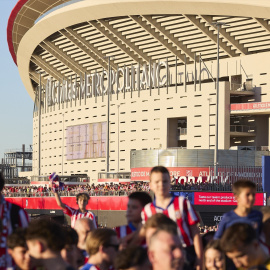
(182, 133)
(245, 89)
(242, 130)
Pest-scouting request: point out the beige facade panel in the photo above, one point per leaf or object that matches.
(144, 120)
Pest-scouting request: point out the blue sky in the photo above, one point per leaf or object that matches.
(16, 107)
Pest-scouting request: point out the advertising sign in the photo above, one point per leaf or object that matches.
(250, 106)
(142, 174)
(86, 141)
(223, 198)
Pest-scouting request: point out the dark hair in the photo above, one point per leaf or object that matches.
(97, 238)
(215, 244)
(130, 257)
(162, 222)
(71, 236)
(240, 184)
(17, 238)
(237, 236)
(82, 195)
(48, 231)
(143, 197)
(207, 237)
(159, 169)
(2, 181)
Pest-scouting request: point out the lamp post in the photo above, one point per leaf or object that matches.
(108, 111)
(39, 123)
(118, 144)
(217, 25)
(63, 143)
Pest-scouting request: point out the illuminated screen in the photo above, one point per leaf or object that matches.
(86, 141)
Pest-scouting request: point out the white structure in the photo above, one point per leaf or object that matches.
(162, 83)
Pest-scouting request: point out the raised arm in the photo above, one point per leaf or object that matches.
(58, 200)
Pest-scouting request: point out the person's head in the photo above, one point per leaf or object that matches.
(244, 192)
(266, 223)
(132, 258)
(70, 252)
(241, 245)
(83, 226)
(136, 202)
(159, 221)
(44, 238)
(213, 256)
(2, 181)
(17, 249)
(102, 244)
(165, 251)
(82, 200)
(160, 181)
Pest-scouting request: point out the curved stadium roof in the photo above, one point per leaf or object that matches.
(76, 37)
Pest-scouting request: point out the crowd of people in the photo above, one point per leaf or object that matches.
(110, 189)
(160, 234)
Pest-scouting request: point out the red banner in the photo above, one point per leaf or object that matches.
(250, 106)
(219, 198)
(49, 203)
(142, 174)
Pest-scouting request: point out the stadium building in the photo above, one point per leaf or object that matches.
(125, 79)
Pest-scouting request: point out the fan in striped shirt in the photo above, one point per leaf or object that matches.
(178, 209)
(75, 214)
(136, 202)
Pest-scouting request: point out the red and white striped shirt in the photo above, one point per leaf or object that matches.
(89, 266)
(123, 231)
(12, 216)
(181, 211)
(75, 214)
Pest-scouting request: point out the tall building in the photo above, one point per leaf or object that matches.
(149, 69)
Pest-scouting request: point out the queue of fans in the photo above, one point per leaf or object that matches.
(164, 234)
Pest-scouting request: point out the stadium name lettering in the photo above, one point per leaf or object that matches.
(122, 80)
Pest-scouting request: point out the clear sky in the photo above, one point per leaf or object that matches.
(16, 107)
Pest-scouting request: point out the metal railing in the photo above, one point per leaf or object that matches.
(72, 178)
(236, 87)
(17, 181)
(66, 193)
(242, 128)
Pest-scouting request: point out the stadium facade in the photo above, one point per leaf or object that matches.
(149, 69)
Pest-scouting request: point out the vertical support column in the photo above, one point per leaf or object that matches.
(23, 157)
(176, 74)
(195, 72)
(185, 75)
(108, 116)
(168, 79)
(39, 126)
(216, 147)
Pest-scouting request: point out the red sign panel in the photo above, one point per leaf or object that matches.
(250, 106)
(142, 174)
(219, 198)
(49, 203)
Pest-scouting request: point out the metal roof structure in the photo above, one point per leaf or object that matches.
(131, 39)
